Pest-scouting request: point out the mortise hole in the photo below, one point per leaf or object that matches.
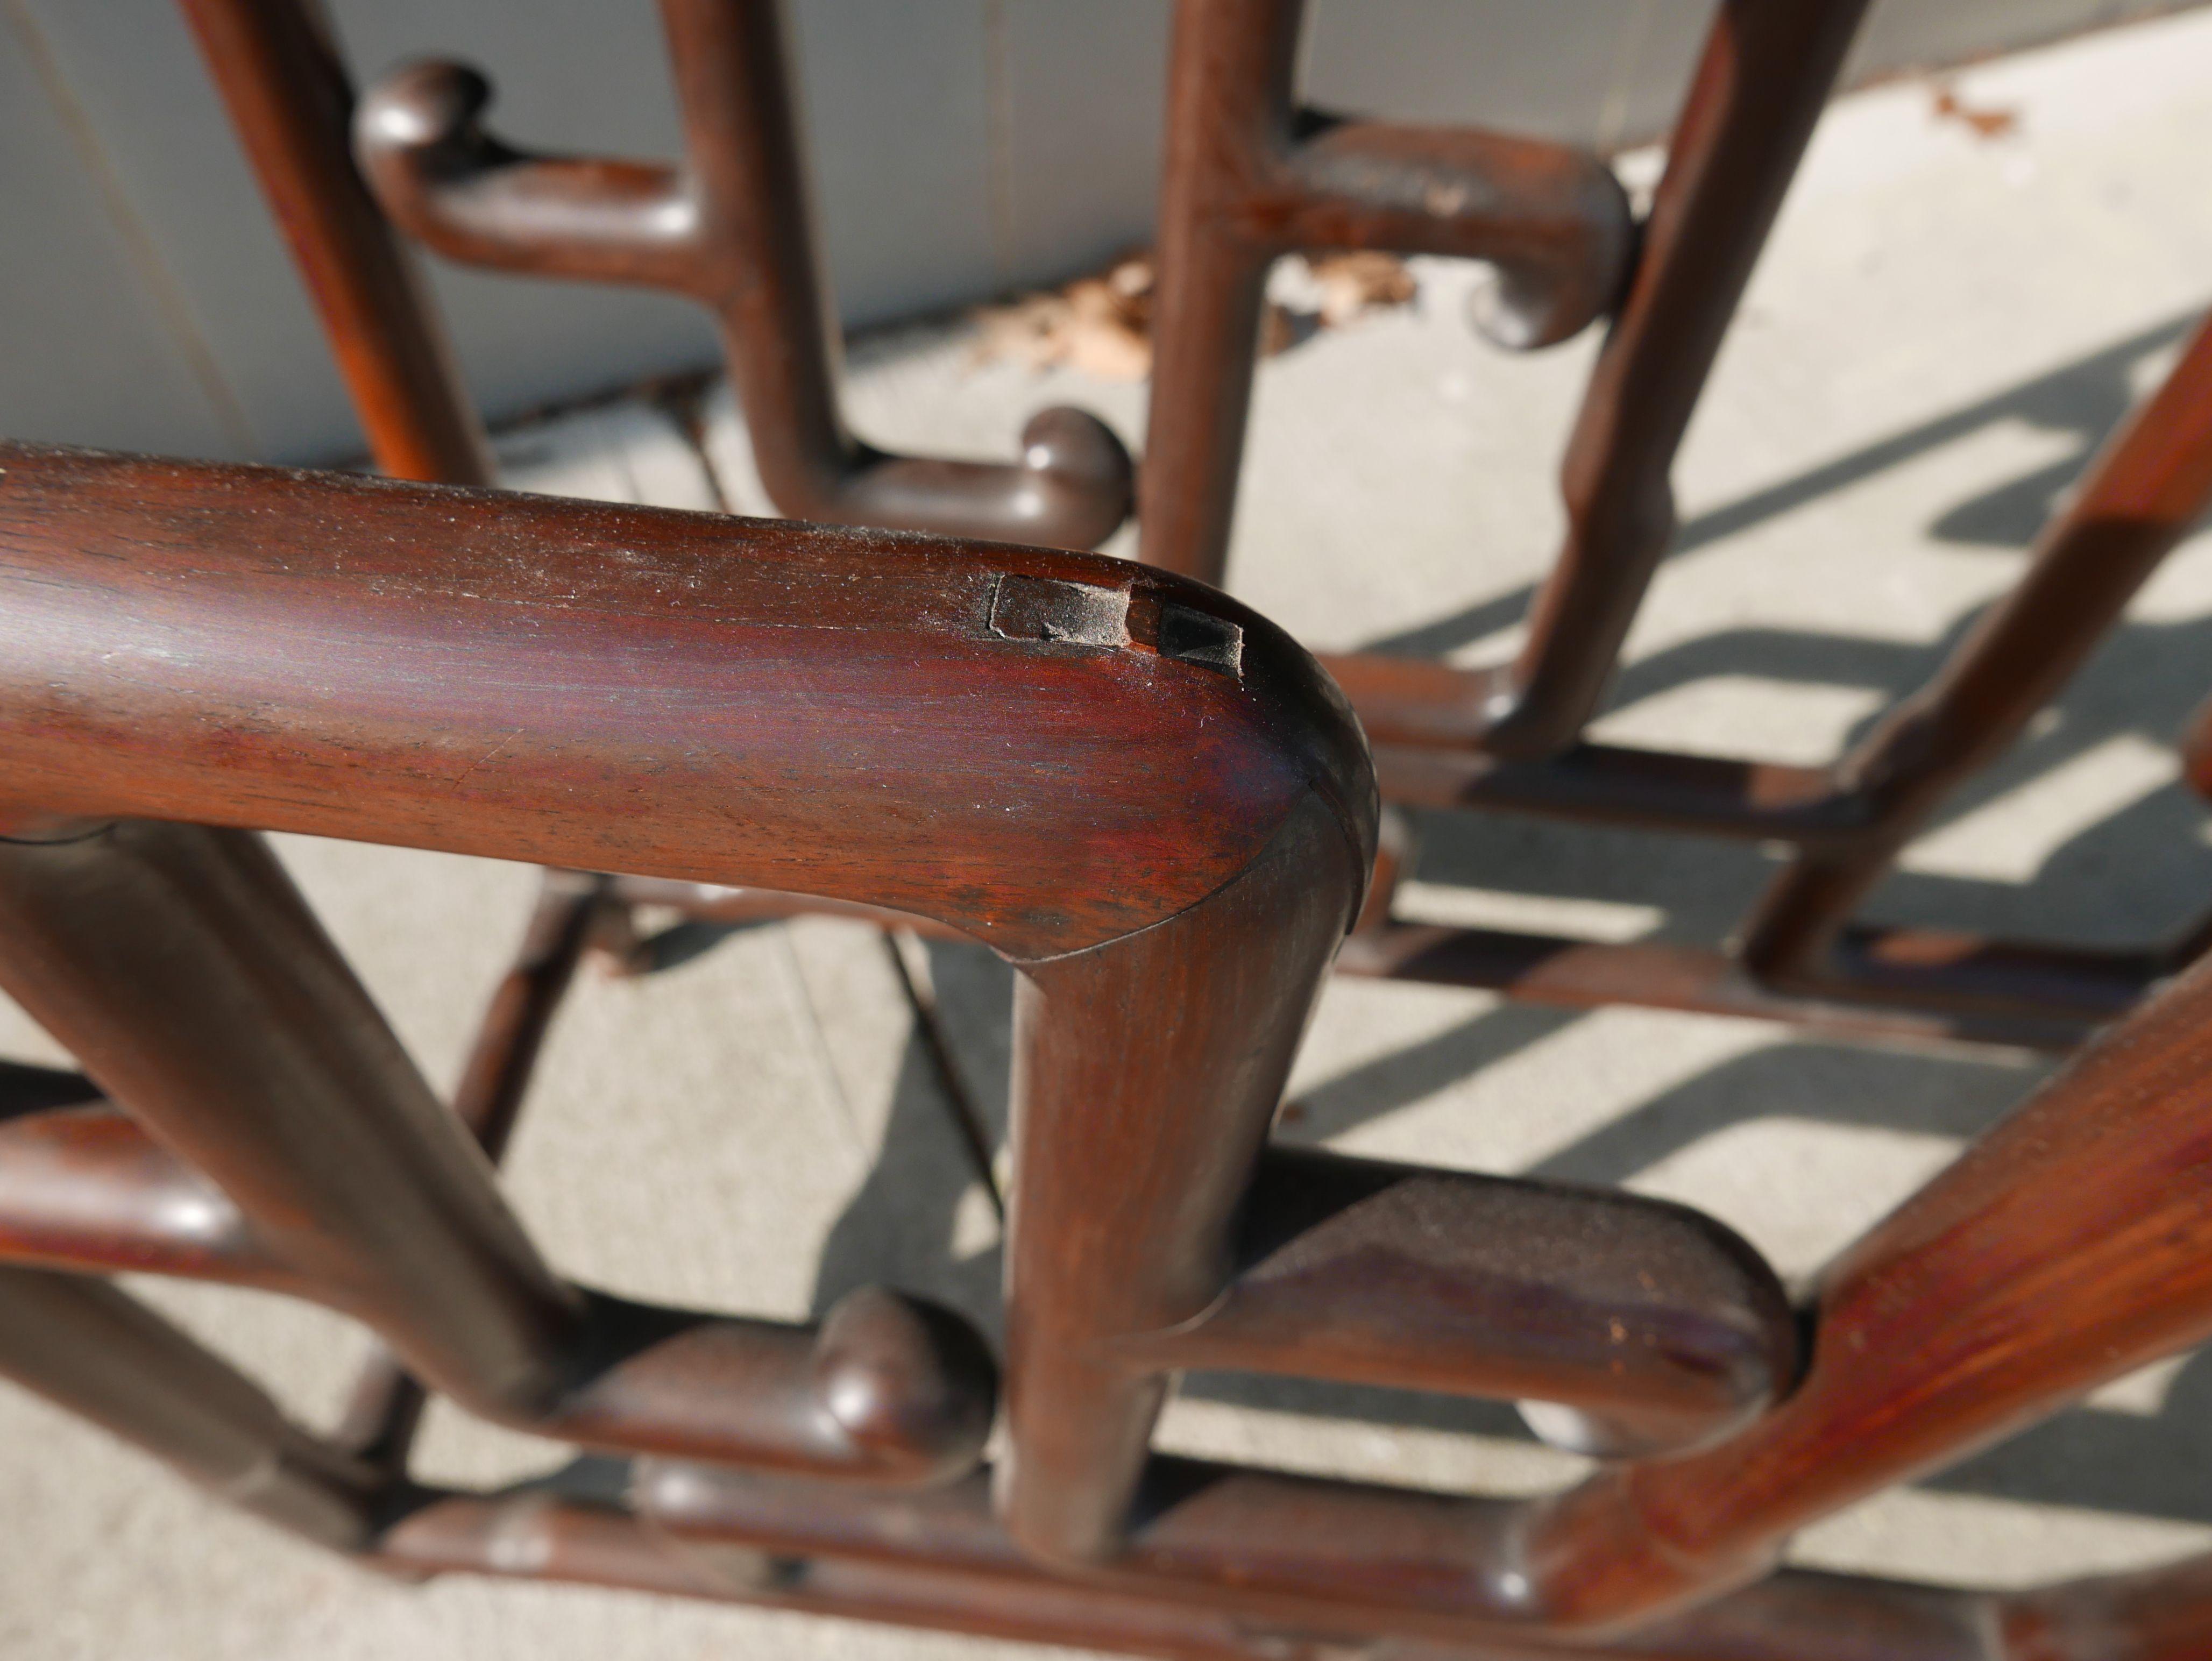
(1192, 637)
(1066, 614)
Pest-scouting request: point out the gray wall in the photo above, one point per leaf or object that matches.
(960, 148)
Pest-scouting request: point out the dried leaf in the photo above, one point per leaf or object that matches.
(1358, 282)
(1102, 324)
(1992, 121)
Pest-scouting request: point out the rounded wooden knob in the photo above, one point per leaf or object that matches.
(909, 1383)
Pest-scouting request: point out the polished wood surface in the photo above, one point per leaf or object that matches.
(1158, 807)
(179, 962)
(1641, 1326)
(2065, 1248)
(285, 619)
(558, 665)
(1252, 174)
(1510, 739)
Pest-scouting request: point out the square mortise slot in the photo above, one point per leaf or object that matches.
(1193, 636)
(1068, 614)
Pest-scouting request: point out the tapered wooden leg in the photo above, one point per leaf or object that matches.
(387, 1401)
(102, 1355)
(183, 969)
(1767, 69)
(276, 65)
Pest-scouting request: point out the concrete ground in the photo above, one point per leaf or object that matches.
(1945, 323)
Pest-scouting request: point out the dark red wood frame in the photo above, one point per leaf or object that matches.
(1151, 801)
(1145, 797)
(1250, 175)
(1139, 792)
